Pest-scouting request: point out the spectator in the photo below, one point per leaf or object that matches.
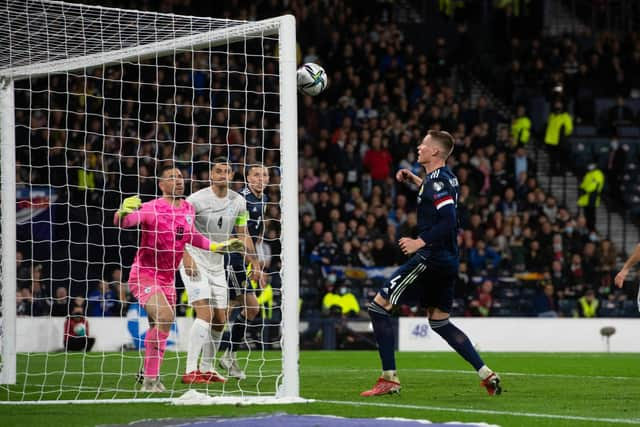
(619, 115)
(36, 296)
(482, 303)
(544, 304)
(103, 301)
(482, 258)
(60, 306)
(377, 161)
(326, 252)
(588, 304)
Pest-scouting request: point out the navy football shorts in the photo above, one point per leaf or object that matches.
(421, 282)
(238, 280)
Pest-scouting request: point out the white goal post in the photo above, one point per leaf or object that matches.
(47, 39)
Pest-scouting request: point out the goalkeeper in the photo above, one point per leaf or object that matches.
(219, 211)
(167, 225)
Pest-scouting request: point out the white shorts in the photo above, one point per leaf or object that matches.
(211, 285)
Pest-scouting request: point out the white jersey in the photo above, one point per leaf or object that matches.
(215, 219)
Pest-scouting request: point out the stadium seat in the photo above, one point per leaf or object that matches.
(629, 309)
(567, 307)
(584, 130)
(628, 131)
(609, 309)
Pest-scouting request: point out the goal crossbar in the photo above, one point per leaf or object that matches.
(212, 38)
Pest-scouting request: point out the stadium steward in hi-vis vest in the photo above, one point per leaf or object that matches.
(590, 192)
(429, 276)
(521, 127)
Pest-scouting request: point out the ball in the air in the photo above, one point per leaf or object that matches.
(312, 79)
(79, 330)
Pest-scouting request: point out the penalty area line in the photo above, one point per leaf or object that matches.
(486, 412)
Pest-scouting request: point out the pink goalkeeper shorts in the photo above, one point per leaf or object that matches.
(144, 288)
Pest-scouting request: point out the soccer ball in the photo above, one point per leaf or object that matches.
(79, 330)
(312, 79)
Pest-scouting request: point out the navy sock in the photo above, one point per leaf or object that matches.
(457, 340)
(225, 341)
(238, 331)
(383, 330)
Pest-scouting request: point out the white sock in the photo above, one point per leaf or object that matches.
(390, 376)
(209, 350)
(484, 372)
(198, 336)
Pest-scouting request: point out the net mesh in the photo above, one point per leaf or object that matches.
(86, 139)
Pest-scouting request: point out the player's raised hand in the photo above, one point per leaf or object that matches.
(129, 205)
(620, 277)
(231, 245)
(403, 175)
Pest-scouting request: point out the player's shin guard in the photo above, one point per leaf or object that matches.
(155, 344)
(457, 340)
(383, 330)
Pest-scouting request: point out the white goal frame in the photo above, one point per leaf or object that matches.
(285, 28)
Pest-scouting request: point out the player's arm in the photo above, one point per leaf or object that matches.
(190, 266)
(445, 224)
(129, 214)
(405, 175)
(251, 254)
(199, 241)
(631, 261)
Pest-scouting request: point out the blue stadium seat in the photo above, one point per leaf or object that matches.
(628, 132)
(630, 309)
(609, 309)
(581, 153)
(584, 130)
(567, 307)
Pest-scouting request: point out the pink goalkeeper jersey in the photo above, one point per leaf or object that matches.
(165, 231)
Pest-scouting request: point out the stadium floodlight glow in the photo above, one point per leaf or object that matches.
(104, 86)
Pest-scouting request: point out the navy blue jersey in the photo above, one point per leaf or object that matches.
(256, 208)
(437, 221)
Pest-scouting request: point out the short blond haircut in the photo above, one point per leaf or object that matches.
(444, 140)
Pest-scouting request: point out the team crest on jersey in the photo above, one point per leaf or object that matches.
(189, 219)
(437, 186)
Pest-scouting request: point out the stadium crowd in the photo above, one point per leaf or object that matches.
(522, 252)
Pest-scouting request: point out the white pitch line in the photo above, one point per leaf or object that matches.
(470, 372)
(487, 412)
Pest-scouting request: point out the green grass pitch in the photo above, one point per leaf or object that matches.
(539, 389)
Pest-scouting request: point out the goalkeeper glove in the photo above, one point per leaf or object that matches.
(129, 205)
(231, 245)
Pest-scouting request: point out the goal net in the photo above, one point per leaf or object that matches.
(93, 103)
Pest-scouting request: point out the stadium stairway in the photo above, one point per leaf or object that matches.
(565, 189)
